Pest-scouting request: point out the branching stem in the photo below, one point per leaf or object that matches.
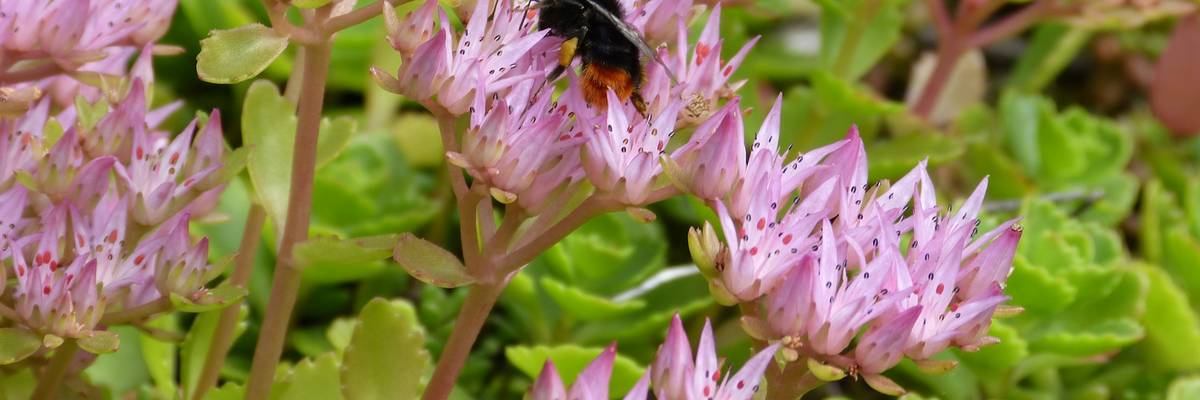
(960, 35)
(286, 285)
(51, 379)
(227, 323)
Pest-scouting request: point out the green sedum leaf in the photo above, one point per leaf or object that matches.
(18, 385)
(335, 135)
(997, 359)
(893, 158)
(268, 129)
(340, 332)
(100, 342)
(228, 391)
(1053, 46)
(332, 249)
(317, 379)
(855, 34)
(234, 55)
(586, 306)
(386, 357)
(824, 113)
(16, 344)
(430, 263)
(1037, 289)
(1171, 323)
(1104, 337)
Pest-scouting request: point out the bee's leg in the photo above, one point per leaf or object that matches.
(638, 102)
(566, 54)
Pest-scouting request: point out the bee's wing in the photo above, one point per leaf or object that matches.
(633, 37)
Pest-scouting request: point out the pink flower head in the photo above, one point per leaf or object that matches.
(493, 50)
(676, 376)
(78, 234)
(114, 132)
(76, 36)
(831, 265)
(704, 77)
(766, 228)
(54, 295)
(12, 206)
(405, 35)
(491, 54)
(514, 145)
(591, 384)
(943, 258)
(823, 303)
(882, 346)
(65, 174)
(183, 267)
(124, 275)
(622, 153)
(20, 140)
(708, 165)
(673, 366)
(164, 176)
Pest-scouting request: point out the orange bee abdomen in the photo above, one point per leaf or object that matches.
(598, 79)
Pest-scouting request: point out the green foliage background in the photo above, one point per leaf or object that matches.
(1110, 282)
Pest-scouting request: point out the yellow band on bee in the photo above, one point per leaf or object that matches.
(567, 52)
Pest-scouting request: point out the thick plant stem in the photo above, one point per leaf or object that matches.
(49, 382)
(360, 15)
(286, 284)
(555, 233)
(959, 36)
(467, 199)
(227, 323)
(475, 309)
(947, 59)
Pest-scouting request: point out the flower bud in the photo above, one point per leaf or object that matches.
(706, 249)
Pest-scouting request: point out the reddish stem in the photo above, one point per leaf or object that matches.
(475, 309)
(286, 284)
(227, 323)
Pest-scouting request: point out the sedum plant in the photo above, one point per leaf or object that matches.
(537, 218)
(554, 163)
(97, 202)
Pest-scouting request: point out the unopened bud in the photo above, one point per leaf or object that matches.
(706, 250)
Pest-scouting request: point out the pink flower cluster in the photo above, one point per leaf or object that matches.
(674, 374)
(56, 45)
(827, 256)
(532, 149)
(804, 237)
(94, 210)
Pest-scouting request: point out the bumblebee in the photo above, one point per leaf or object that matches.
(609, 49)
